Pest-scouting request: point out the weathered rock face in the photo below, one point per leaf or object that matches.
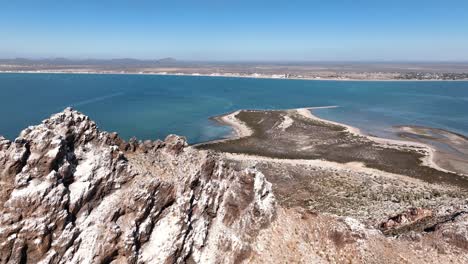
(72, 194)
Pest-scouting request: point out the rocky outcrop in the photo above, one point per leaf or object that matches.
(70, 193)
(443, 220)
(408, 219)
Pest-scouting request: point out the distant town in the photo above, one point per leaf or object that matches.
(433, 76)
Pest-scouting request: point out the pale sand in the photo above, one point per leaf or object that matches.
(287, 122)
(306, 112)
(240, 128)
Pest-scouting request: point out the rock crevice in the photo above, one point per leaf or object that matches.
(73, 194)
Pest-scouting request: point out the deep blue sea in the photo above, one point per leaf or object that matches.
(151, 107)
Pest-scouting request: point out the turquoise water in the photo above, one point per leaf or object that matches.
(151, 107)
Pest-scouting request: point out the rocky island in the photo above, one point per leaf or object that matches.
(286, 189)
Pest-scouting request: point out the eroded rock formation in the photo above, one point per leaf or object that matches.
(72, 194)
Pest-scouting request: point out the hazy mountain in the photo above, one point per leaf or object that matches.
(95, 62)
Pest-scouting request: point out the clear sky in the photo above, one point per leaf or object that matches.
(305, 30)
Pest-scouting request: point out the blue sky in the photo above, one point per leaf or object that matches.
(394, 30)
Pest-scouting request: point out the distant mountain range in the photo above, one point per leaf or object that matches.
(95, 62)
(169, 61)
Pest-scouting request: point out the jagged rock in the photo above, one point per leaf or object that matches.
(70, 193)
(175, 144)
(73, 194)
(411, 216)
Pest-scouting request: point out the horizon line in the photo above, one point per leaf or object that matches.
(233, 60)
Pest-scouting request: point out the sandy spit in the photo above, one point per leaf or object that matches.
(240, 128)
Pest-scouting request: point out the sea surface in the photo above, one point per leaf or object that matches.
(151, 106)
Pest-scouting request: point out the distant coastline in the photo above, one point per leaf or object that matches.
(319, 70)
(225, 75)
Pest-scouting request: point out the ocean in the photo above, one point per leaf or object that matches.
(152, 106)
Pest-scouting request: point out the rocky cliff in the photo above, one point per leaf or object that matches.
(70, 193)
(73, 194)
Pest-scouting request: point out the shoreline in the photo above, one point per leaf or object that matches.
(241, 130)
(230, 76)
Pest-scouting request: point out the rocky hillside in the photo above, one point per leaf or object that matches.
(70, 193)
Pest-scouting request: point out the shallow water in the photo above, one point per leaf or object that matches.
(150, 107)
